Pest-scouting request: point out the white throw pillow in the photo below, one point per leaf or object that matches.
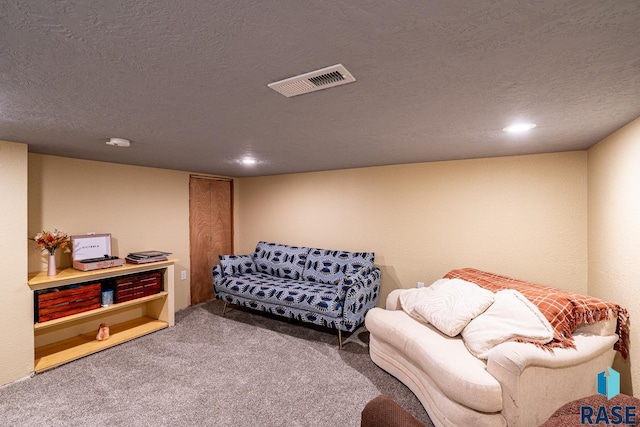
(510, 316)
(451, 305)
(409, 298)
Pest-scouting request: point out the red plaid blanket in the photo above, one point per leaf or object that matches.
(564, 310)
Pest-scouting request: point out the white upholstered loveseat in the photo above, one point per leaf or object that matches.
(520, 384)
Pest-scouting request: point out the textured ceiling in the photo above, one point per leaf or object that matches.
(186, 81)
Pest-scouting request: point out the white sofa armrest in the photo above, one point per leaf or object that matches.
(511, 358)
(535, 382)
(393, 300)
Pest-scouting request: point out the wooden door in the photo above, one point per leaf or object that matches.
(210, 231)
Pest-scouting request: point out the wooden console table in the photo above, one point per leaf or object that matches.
(69, 338)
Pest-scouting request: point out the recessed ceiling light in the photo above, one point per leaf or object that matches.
(119, 142)
(519, 128)
(248, 161)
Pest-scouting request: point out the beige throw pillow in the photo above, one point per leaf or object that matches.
(451, 305)
(408, 300)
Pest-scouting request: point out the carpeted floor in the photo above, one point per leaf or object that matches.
(244, 369)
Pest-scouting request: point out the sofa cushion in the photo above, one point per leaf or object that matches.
(280, 260)
(511, 316)
(237, 264)
(459, 375)
(314, 297)
(452, 305)
(327, 266)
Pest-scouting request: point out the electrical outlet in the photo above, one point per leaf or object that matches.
(183, 275)
(420, 285)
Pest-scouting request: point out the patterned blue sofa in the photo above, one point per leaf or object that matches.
(330, 288)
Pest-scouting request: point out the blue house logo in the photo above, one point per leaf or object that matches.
(609, 383)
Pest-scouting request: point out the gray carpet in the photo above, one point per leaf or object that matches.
(244, 369)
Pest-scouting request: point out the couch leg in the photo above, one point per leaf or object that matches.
(340, 339)
(224, 308)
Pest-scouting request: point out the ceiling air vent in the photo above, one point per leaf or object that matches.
(325, 78)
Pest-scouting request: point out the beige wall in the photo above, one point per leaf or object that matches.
(523, 216)
(143, 208)
(614, 233)
(16, 299)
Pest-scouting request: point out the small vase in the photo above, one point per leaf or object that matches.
(51, 270)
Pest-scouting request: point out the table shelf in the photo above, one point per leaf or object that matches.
(98, 311)
(52, 355)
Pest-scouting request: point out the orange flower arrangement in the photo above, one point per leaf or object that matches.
(50, 241)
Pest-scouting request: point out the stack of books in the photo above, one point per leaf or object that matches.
(147, 256)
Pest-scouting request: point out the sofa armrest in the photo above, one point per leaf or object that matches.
(393, 300)
(218, 273)
(511, 358)
(382, 411)
(362, 291)
(535, 382)
(237, 264)
(231, 264)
